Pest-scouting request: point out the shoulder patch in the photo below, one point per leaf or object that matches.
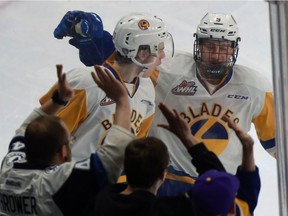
(13, 157)
(17, 146)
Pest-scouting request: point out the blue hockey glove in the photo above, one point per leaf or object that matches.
(90, 25)
(86, 30)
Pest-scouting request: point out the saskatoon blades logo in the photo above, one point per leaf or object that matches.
(213, 133)
(143, 24)
(185, 88)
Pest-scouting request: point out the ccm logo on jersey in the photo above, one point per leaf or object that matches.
(239, 97)
(185, 88)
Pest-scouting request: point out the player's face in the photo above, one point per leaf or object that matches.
(215, 59)
(216, 51)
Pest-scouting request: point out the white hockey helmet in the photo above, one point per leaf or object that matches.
(218, 26)
(221, 30)
(141, 29)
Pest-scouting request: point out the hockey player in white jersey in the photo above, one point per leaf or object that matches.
(205, 86)
(37, 177)
(139, 39)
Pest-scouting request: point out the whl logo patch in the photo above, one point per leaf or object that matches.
(185, 88)
(106, 101)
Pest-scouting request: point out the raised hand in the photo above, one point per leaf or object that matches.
(178, 126)
(116, 91)
(88, 25)
(246, 140)
(113, 88)
(67, 24)
(86, 29)
(65, 91)
(248, 161)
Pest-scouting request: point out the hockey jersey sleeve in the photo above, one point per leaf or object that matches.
(111, 153)
(265, 126)
(75, 112)
(146, 126)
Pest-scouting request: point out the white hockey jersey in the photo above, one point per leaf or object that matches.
(244, 95)
(66, 189)
(89, 115)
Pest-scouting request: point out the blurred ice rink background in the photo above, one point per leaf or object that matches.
(29, 53)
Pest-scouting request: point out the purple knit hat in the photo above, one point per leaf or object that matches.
(214, 192)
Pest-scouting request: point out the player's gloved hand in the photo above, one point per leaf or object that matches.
(86, 30)
(79, 24)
